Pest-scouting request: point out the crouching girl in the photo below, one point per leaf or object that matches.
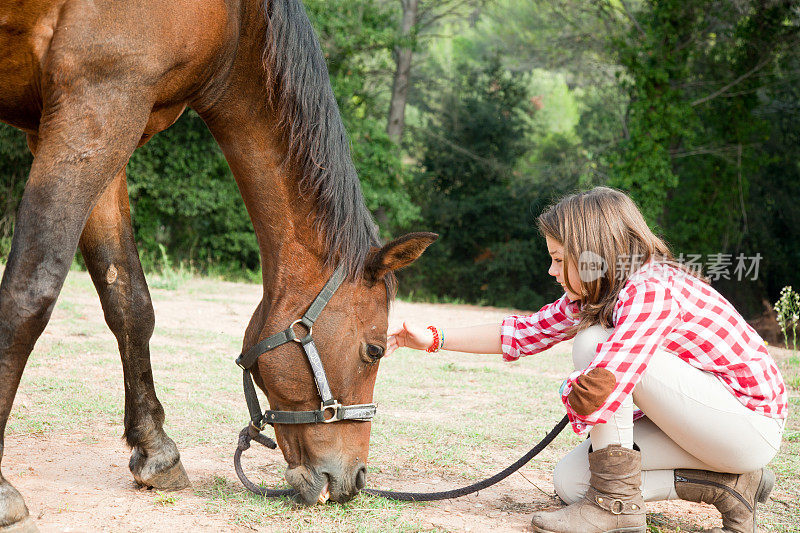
(647, 331)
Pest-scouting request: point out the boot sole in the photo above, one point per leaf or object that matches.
(634, 529)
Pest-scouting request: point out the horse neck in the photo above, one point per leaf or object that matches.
(248, 128)
(282, 217)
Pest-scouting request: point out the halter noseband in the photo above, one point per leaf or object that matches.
(330, 410)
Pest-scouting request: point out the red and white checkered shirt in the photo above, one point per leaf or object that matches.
(660, 306)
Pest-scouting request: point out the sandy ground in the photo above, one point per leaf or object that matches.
(79, 481)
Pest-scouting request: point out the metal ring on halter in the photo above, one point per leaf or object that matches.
(334, 407)
(296, 338)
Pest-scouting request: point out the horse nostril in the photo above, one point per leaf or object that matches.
(361, 478)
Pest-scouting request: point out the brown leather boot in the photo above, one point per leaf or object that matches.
(613, 503)
(734, 495)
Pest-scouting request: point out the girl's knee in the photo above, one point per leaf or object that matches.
(584, 346)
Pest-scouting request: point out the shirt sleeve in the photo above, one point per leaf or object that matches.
(645, 313)
(526, 335)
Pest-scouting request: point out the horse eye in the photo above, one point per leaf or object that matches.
(374, 351)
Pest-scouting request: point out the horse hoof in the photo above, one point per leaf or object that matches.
(26, 525)
(173, 478)
(14, 515)
(163, 470)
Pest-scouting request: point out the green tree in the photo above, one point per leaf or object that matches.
(700, 77)
(358, 37)
(470, 193)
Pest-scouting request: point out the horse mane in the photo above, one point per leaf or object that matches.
(299, 88)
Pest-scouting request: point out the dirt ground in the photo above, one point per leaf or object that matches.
(79, 480)
(72, 487)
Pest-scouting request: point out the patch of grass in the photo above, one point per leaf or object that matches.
(792, 436)
(364, 513)
(426, 297)
(168, 276)
(71, 403)
(165, 499)
(792, 361)
(5, 249)
(792, 380)
(232, 272)
(658, 523)
(441, 424)
(790, 368)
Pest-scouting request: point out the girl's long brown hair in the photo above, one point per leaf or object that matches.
(603, 224)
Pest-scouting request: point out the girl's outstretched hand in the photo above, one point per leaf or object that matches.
(409, 336)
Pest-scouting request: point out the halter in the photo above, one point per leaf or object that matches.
(330, 409)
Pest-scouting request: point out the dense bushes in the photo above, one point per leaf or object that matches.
(183, 196)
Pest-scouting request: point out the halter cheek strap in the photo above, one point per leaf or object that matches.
(330, 410)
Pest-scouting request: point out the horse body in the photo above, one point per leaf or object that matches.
(89, 81)
(152, 47)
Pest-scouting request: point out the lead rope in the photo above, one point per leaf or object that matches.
(251, 433)
(245, 436)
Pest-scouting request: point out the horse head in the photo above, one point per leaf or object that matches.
(322, 369)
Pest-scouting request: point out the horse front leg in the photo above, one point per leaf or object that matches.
(110, 253)
(86, 136)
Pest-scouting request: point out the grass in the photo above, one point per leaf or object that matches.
(364, 513)
(165, 499)
(438, 416)
(782, 512)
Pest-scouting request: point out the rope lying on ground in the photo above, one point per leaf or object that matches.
(251, 433)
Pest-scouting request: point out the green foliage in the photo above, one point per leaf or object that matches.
(683, 105)
(383, 176)
(357, 37)
(167, 275)
(698, 77)
(15, 161)
(557, 108)
(691, 107)
(555, 155)
(788, 311)
(773, 216)
(659, 118)
(184, 198)
(470, 194)
(563, 36)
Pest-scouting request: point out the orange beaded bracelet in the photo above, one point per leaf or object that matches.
(434, 347)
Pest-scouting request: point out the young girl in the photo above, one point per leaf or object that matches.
(648, 331)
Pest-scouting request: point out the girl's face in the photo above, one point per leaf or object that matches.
(556, 250)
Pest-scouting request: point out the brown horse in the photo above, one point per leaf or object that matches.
(90, 81)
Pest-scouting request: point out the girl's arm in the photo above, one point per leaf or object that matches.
(514, 337)
(484, 338)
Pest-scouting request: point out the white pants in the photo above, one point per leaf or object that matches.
(692, 421)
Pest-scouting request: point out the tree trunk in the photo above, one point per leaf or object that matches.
(402, 55)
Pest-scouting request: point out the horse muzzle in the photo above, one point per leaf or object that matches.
(329, 481)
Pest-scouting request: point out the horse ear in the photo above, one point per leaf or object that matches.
(399, 253)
